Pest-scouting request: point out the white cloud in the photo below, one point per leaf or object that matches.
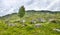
(10, 6)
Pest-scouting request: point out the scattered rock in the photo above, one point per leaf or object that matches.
(33, 21)
(52, 20)
(58, 30)
(11, 24)
(47, 13)
(41, 20)
(24, 25)
(6, 21)
(38, 25)
(22, 21)
(27, 16)
(16, 21)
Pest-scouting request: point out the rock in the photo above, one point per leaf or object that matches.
(33, 21)
(52, 20)
(47, 13)
(11, 24)
(58, 30)
(41, 20)
(16, 21)
(24, 25)
(38, 25)
(22, 21)
(27, 16)
(6, 21)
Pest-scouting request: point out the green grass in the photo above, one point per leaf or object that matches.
(30, 29)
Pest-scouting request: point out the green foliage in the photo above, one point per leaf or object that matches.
(21, 11)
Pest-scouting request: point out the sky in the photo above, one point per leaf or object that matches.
(11, 6)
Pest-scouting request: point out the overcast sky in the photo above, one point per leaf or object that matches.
(11, 6)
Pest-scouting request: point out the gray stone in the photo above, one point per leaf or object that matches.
(41, 20)
(33, 21)
(24, 25)
(11, 24)
(52, 20)
(16, 21)
(22, 21)
(38, 25)
(58, 30)
(27, 16)
(6, 21)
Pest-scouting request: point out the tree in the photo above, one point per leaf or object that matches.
(21, 12)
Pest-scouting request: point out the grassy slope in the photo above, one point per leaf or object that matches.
(19, 29)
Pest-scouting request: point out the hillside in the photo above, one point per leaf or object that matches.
(33, 23)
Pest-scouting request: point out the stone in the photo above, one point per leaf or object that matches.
(38, 25)
(52, 20)
(16, 21)
(41, 20)
(22, 21)
(24, 25)
(11, 24)
(27, 16)
(6, 21)
(58, 30)
(33, 21)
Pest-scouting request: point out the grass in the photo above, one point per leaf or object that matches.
(30, 29)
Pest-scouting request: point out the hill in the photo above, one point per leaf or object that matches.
(33, 23)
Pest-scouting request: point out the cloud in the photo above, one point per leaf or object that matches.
(38, 4)
(52, 4)
(11, 6)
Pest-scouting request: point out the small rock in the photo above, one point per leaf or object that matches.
(33, 21)
(38, 25)
(24, 25)
(58, 30)
(16, 21)
(47, 13)
(6, 22)
(23, 21)
(41, 20)
(11, 24)
(27, 16)
(52, 20)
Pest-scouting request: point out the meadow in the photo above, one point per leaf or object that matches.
(33, 23)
